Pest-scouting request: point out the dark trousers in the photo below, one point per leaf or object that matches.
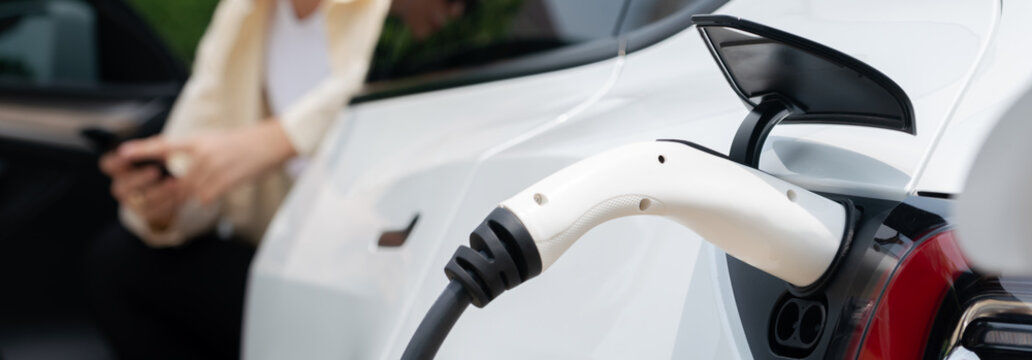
(177, 303)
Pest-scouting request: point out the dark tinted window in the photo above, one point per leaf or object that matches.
(79, 43)
(492, 31)
(46, 42)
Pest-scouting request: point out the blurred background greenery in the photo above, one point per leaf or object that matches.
(179, 22)
(459, 42)
(478, 36)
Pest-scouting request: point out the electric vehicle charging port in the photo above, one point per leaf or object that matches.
(796, 326)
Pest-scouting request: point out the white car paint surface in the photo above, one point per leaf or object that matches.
(635, 287)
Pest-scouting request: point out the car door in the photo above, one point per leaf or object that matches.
(403, 158)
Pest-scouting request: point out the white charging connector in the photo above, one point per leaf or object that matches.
(764, 221)
(775, 226)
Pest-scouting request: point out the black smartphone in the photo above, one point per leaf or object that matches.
(104, 141)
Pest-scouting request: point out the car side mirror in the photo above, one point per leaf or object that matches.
(994, 212)
(784, 78)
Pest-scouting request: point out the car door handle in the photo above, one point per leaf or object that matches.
(396, 238)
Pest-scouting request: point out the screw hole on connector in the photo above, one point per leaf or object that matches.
(644, 204)
(662, 159)
(540, 199)
(791, 195)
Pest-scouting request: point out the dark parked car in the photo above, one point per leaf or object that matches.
(66, 66)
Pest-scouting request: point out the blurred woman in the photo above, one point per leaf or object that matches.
(269, 79)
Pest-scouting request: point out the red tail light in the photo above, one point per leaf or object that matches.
(904, 315)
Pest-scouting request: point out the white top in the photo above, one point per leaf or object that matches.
(296, 61)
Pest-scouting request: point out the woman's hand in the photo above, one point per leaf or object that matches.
(143, 190)
(220, 161)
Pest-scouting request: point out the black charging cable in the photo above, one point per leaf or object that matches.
(438, 322)
(501, 255)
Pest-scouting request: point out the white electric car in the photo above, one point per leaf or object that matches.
(888, 103)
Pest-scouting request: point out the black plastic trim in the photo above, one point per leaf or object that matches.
(15, 92)
(905, 124)
(852, 218)
(978, 331)
(752, 133)
(938, 195)
(788, 325)
(697, 147)
(501, 255)
(559, 59)
(917, 217)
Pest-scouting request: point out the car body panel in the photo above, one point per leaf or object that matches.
(1000, 80)
(632, 288)
(373, 186)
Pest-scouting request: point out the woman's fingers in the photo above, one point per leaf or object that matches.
(218, 162)
(157, 202)
(161, 203)
(130, 183)
(167, 191)
(155, 147)
(115, 163)
(144, 189)
(112, 164)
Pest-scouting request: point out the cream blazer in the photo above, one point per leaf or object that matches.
(225, 91)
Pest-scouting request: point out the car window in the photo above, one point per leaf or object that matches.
(489, 32)
(48, 42)
(79, 44)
